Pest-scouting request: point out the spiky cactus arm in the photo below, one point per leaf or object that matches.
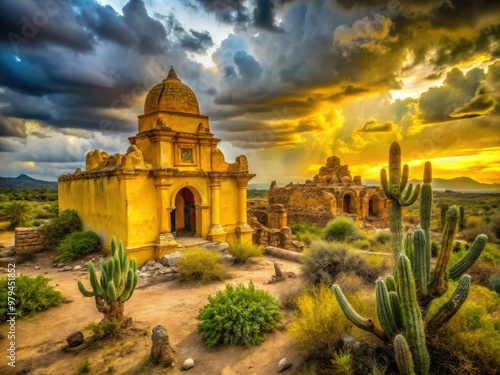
(396, 309)
(384, 310)
(355, 318)
(390, 283)
(438, 284)
(396, 227)
(409, 248)
(419, 264)
(462, 221)
(449, 309)
(403, 356)
(412, 316)
(444, 209)
(468, 260)
(426, 212)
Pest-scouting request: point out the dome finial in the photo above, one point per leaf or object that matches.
(172, 74)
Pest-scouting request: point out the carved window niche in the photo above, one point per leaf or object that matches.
(185, 155)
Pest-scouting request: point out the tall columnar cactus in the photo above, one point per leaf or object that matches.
(394, 189)
(444, 208)
(116, 285)
(412, 316)
(402, 301)
(462, 221)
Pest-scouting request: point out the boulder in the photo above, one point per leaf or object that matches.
(161, 350)
(284, 364)
(188, 363)
(75, 339)
(172, 259)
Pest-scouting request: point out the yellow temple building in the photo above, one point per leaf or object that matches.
(172, 178)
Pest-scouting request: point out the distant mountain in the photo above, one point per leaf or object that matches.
(25, 182)
(464, 184)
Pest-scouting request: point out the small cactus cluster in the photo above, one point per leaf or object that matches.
(116, 285)
(402, 300)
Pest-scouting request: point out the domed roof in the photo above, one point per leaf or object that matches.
(171, 95)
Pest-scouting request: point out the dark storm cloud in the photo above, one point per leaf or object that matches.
(192, 40)
(248, 67)
(373, 126)
(227, 11)
(479, 105)
(264, 15)
(6, 146)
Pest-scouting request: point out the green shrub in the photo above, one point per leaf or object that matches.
(78, 244)
(83, 367)
(66, 223)
(319, 323)
(495, 284)
(36, 223)
(238, 315)
(341, 229)
(201, 265)
(306, 233)
(324, 261)
(18, 214)
(458, 247)
(105, 329)
(434, 248)
(383, 237)
(31, 295)
(242, 252)
(343, 362)
(362, 244)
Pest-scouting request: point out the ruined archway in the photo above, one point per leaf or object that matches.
(347, 203)
(184, 217)
(375, 205)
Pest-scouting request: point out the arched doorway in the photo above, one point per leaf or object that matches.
(346, 203)
(183, 218)
(374, 205)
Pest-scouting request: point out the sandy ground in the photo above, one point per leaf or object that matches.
(40, 339)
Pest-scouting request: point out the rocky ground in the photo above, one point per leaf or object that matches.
(159, 299)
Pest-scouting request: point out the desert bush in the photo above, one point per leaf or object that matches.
(18, 214)
(341, 229)
(36, 223)
(66, 223)
(324, 261)
(306, 233)
(108, 328)
(383, 237)
(238, 315)
(201, 265)
(78, 244)
(83, 367)
(362, 244)
(320, 322)
(473, 333)
(343, 362)
(458, 247)
(495, 284)
(288, 296)
(31, 295)
(434, 248)
(242, 252)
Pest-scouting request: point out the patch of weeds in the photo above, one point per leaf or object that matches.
(146, 364)
(83, 367)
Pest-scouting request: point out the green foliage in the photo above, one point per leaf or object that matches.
(341, 229)
(242, 252)
(201, 265)
(66, 223)
(319, 323)
(31, 295)
(83, 367)
(36, 223)
(343, 363)
(362, 244)
(238, 315)
(105, 329)
(306, 233)
(495, 284)
(383, 237)
(18, 214)
(434, 249)
(324, 261)
(78, 244)
(4, 198)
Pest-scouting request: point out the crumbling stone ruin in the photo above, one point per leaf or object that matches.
(331, 193)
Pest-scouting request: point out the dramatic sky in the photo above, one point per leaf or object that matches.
(285, 82)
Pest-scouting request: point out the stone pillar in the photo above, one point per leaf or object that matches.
(216, 232)
(163, 184)
(243, 230)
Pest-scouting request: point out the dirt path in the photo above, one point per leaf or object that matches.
(40, 339)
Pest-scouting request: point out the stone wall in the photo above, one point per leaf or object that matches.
(30, 239)
(281, 238)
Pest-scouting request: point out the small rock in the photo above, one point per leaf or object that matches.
(188, 363)
(156, 266)
(37, 267)
(66, 268)
(144, 274)
(60, 265)
(227, 258)
(150, 263)
(284, 364)
(77, 268)
(172, 259)
(75, 339)
(216, 246)
(93, 259)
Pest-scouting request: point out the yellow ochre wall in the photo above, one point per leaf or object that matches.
(101, 205)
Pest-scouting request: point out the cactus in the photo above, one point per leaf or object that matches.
(468, 260)
(446, 311)
(390, 283)
(394, 189)
(444, 208)
(403, 356)
(426, 212)
(354, 317)
(116, 285)
(419, 265)
(409, 249)
(396, 309)
(412, 316)
(438, 283)
(384, 310)
(462, 221)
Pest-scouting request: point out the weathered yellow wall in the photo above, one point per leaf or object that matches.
(101, 205)
(176, 121)
(228, 203)
(141, 211)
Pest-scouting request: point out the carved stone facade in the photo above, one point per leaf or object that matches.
(331, 193)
